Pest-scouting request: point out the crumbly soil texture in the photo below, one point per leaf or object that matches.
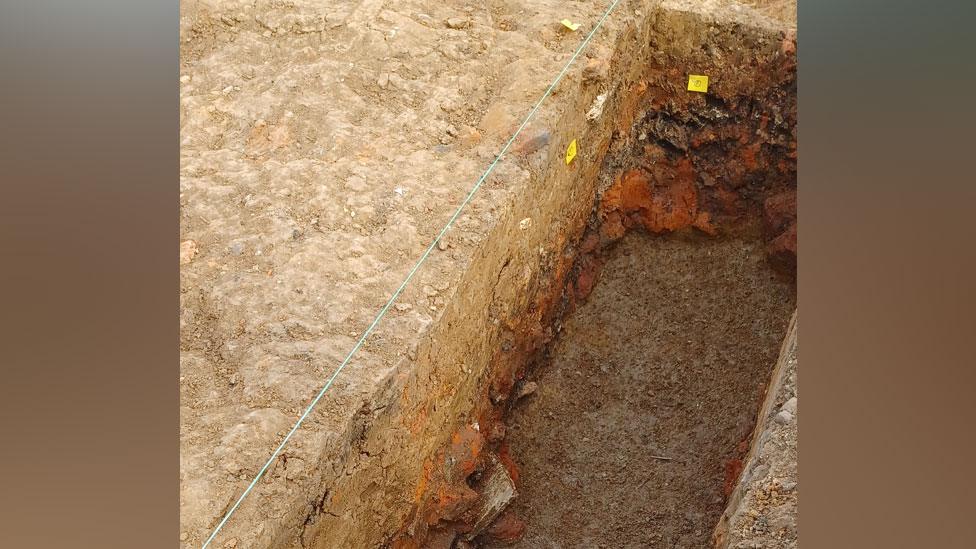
(646, 405)
(324, 146)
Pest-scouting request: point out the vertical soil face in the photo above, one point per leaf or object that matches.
(652, 338)
(652, 334)
(634, 434)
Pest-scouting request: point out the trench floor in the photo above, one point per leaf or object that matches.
(652, 388)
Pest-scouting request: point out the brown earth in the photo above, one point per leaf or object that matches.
(322, 148)
(762, 509)
(649, 395)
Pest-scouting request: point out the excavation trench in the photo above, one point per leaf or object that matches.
(596, 377)
(640, 416)
(623, 391)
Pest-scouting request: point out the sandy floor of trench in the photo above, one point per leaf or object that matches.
(652, 388)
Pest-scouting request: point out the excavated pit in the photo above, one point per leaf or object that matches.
(324, 144)
(623, 395)
(641, 416)
(581, 364)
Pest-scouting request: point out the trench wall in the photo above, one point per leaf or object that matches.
(772, 454)
(405, 469)
(401, 479)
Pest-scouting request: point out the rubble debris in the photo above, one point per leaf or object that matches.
(597, 108)
(496, 491)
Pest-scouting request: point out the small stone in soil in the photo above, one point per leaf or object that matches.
(789, 406)
(596, 70)
(497, 490)
(784, 418)
(496, 432)
(457, 23)
(188, 250)
(527, 389)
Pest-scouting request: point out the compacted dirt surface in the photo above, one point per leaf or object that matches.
(633, 436)
(323, 145)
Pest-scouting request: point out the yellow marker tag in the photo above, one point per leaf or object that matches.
(569, 24)
(571, 152)
(697, 83)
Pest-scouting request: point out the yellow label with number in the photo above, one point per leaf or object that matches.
(697, 83)
(569, 24)
(571, 152)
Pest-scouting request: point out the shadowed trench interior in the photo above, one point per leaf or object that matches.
(638, 420)
(628, 427)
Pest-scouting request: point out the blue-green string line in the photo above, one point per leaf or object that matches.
(406, 280)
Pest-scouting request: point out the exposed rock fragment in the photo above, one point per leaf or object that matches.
(188, 250)
(496, 490)
(527, 389)
(457, 23)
